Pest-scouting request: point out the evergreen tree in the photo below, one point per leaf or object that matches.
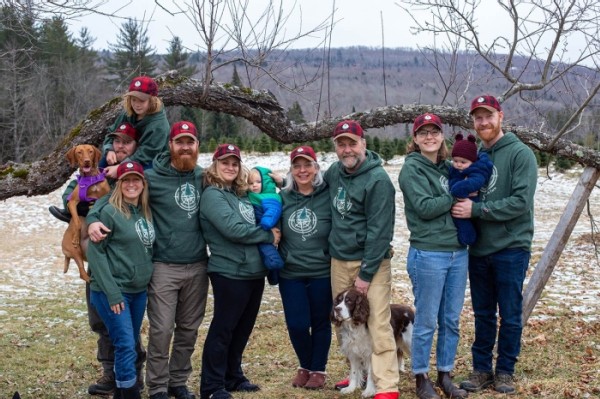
(177, 59)
(212, 145)
(295, 114)
(235, 79)
(376, 144)
(387, 150)
(132, 55)
(264, 145)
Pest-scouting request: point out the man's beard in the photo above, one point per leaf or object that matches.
(184, 163)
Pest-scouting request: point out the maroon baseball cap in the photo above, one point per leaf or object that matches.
(427, 119)
(143, 87)
(129, 167)
(350, 129)
(183, 128)
(488, 102)
(226, 150)
(126, 131)
(303, 151)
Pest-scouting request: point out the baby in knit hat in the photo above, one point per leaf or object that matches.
(469, 172)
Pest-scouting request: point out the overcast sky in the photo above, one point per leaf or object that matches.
(359, 22)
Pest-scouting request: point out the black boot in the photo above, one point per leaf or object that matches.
(425, 389)
(61, 214)
(444, 381)
(127, 393)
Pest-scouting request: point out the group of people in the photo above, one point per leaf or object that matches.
(320, 234)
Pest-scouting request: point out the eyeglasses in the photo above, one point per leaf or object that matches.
(433, 133)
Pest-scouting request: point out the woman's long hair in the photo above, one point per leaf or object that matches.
(117, 201)
(156, 105)
(414, 147)
(290, 184)
(239, 186)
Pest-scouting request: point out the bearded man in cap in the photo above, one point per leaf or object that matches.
(363, 210)
(499, 259)
(179, 286)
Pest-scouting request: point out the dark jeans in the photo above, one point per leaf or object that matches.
(496, 285)
(306, 304)
(106, 351)
(236, 305)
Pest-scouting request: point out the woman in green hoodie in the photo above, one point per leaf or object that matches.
(235, 269)
(121, 268)
(305, 280)
(437, 263)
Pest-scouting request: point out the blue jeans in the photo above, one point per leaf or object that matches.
(124, 331)
(497, 284)
(307, 304)
(439, 280)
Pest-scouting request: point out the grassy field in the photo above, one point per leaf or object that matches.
(49, 352)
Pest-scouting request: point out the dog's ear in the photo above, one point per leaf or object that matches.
(361, 309)
(71, 156)
(97, 155)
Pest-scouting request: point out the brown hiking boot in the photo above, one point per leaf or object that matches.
(450, 390)
(425, 389)
(104, 386)
(477, 381)
(504, 383)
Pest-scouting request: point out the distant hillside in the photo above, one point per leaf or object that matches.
(356, 82)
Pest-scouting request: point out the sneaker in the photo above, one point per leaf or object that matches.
(61, 214)
(159, 395)
(104, 386)
(316, 380)
(504, 383)
(477, 381)
(342, 384)
(180, 392)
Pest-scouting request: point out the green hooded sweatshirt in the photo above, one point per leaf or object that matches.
(174, 201)
(232, 234)
(427, 204)
(305, 228)
(362, 214)
(154, 136)
(122, 263)
(504, 217)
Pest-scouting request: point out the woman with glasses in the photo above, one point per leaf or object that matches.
(437, 263)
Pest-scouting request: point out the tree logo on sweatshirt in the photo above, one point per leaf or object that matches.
(444, 184)
(247, 211)
(341, 202)
(188, 198)
(490, 187)
(304, 222)
(145, 230)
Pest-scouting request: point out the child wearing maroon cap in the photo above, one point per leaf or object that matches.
(468, 173)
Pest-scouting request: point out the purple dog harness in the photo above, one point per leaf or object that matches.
(84, 183)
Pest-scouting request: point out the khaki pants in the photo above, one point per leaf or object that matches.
(384, 360)
(176, 302)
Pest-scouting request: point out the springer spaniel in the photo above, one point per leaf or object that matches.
(350, 314)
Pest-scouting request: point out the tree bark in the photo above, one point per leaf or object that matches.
(260, 108)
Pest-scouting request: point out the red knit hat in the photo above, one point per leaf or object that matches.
(465, 148)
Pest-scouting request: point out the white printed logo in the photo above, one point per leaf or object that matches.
(145, 230)
(304, 222)
(341, 203)
(247, 211)
(187, 198)
(490, 187)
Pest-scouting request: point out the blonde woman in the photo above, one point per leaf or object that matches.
(121, 267)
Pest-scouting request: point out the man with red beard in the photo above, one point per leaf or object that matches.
(178, 289)
(499, 259)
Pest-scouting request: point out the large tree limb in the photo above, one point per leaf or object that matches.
(260, 108)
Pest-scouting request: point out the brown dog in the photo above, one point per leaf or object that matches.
(86, 157)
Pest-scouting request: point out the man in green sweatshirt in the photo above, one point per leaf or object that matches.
(363, 209)
(499, 259)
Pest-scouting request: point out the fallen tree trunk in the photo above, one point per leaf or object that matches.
(261, 109)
